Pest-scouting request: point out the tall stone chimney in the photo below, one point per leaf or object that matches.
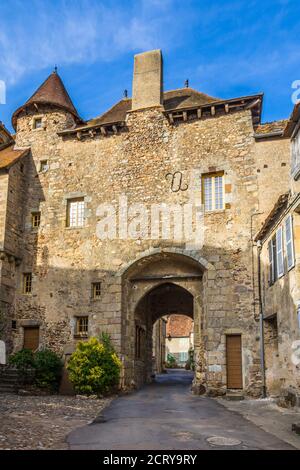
(147, 80)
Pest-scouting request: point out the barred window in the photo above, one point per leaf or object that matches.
(35, 219)
(82, 326)
(27, 283)
(96, 290)
(75, 215)
(213, 191)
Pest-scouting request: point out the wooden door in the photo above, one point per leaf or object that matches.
(31, 337)
(234, 361)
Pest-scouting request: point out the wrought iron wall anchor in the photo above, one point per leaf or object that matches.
(176, 182)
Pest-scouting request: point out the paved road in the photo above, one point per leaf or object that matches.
(165, 415)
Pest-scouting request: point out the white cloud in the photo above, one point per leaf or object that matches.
(73, 34)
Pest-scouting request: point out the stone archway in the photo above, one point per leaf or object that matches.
(145, 285)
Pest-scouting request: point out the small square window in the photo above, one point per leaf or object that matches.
(35, 219)
(44, 166)
(37, 123)
(82, 326)
(14, 324)
(27, 283)
(96, 290)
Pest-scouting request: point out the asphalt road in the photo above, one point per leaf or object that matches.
(165, 415)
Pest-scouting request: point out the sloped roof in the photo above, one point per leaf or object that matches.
(52, 92)
(273, 215)
(175, 99)
(9, 156)
(274, 127)
(293, 121)
(5, 135)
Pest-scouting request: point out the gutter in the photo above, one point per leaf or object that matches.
(268, 135)
(261, 323)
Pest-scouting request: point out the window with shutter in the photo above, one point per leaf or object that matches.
(279, 253)
(271, 263)
(289, 243)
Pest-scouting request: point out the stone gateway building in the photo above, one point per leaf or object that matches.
(90, 232)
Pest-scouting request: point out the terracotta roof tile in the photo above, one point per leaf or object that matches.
(179, 326)
(271, 127)
(174, 99)
(53, 92)
(9, 156)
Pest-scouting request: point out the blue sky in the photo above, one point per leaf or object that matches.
(225, 48)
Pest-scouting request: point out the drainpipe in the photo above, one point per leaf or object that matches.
(261, 323)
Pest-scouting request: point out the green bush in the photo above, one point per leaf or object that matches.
(171, 362)
(22, 360)
(48, 367)
(94, 367)
(190, 363)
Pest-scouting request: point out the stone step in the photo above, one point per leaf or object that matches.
(13, 380)
(8, 389)
(9, 373)
(234, 396)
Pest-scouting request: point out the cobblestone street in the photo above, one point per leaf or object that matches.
(43, 422)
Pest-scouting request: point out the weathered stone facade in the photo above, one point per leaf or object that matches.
(280, 281)
(141, 278)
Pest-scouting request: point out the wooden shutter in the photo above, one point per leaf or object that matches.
(234, 361)
(31, 338)
(271, 263)
(289, 243)
(279, 253)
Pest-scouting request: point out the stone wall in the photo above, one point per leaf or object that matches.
(280, 302)
(135, 163)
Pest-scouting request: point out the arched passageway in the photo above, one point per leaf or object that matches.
(153, 287)
(163, 300)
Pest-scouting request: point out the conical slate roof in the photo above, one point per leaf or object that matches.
(52, 92)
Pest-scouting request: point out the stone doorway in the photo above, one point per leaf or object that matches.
(154, 286)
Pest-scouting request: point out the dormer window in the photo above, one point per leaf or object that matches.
(37, 123)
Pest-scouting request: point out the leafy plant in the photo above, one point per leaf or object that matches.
(171, 362)
(22, 360)
(45, 364)
(94, 367)
(190, 363)
(48, 366)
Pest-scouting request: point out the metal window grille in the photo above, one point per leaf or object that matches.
(27, 283)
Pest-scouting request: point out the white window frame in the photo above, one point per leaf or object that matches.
(279, 253)
(289, 242)
(271, 262)
(214, 201)
(75, 212)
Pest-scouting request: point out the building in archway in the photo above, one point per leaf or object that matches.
(180, 337)
(81, 254)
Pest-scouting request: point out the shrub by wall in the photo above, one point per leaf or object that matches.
(94, 367)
